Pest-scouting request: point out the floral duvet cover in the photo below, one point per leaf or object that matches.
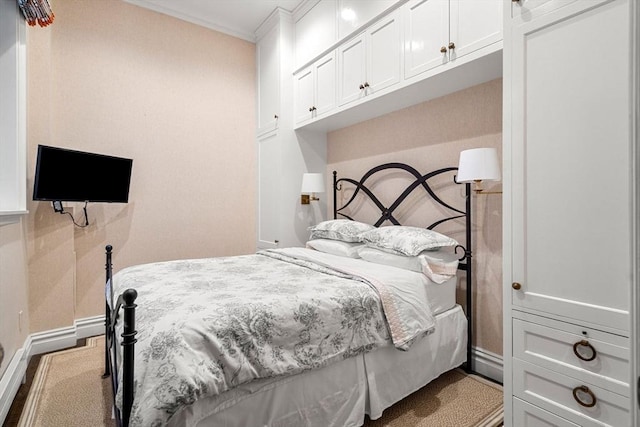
(206, 326)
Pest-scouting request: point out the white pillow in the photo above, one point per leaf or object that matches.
(439, 266)
(339, 229)
(335, 247)
(377, 256)
(405, 240)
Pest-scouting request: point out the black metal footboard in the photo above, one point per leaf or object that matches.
(126, 301)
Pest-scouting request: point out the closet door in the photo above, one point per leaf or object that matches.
(571, 196)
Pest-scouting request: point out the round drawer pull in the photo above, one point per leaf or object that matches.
(517, 286)
(580, 392)
(584, 344)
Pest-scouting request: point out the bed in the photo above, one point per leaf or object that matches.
(316, 336)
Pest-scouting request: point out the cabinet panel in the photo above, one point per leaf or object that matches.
(325, 85)
(553, 348)
(315, 31)
(467, 32)
(268, 61)
(554, 392)
(304, 95)
(269, 190)
(571, 189)
(383, 54)
(426, 32)
(526, 9)
(352, 14)
(527, 415)
(351, 57)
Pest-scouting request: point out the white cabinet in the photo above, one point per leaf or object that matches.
(283, 155)
(269, 190)
(269, 73)
(474, 25)
(570, 212)
(315, 31)
(315, 89)
(426, 35)
(370, 62)
(353, 14)
(439, 31)
(527, 9)
(13, 140)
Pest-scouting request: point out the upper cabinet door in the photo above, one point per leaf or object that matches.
(353, 14)
(315, 32)
(468, 33)
(268, 60)
(383, 54)
(304, 102)
(352, 76)
(325, 85)
(426, 35)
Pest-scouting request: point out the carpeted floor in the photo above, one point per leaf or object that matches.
(68, 390)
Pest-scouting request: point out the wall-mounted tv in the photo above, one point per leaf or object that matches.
(77, 176)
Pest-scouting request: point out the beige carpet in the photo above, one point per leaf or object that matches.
(68, 390)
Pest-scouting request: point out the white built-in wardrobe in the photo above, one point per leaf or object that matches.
(571, 212)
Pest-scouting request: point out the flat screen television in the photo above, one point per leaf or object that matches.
(77, 176)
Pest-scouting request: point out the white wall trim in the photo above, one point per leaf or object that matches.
(489, 364)
(38, 343)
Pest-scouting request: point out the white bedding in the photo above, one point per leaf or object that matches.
(342, 393)
(210, 299)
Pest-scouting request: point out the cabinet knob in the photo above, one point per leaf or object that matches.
(275, 116)
(585, 344)
(361, 87)
(366, 84)
(517, 286)
(276, 241)
(515, 1)
(443, 49)
(452, 45)
(310, 109)
(582, 392)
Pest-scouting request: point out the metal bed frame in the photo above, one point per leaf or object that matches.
(126, 301)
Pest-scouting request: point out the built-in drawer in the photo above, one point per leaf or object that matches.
(528, 415)
(593, 356)
(579, 402)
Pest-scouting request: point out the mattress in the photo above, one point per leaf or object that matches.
(342, 393)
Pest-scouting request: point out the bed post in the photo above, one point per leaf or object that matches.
(107, 312)
(128, 344)
(468, 252)
(335, 195)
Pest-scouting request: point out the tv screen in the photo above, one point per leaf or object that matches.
(78, 176)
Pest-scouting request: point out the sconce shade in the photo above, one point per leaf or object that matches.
(312, 183)
(478, 164)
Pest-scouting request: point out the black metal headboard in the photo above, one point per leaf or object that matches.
(387, 214)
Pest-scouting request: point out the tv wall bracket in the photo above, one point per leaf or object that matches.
(57, 207)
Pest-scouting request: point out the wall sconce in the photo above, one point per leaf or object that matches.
(477, 165)
(311, 183)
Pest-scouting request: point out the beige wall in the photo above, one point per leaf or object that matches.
(430, 136)
(179, 99)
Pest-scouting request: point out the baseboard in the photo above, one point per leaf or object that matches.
(488, 364)
(39, 343)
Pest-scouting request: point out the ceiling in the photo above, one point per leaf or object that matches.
(239, 18)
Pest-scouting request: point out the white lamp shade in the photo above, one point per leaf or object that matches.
(478, 164)
(312, 183)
